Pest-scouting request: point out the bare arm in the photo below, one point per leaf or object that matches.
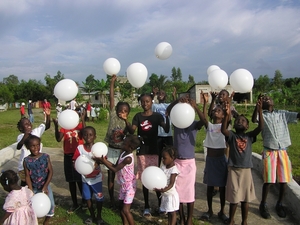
(5, 216)
(258, 107)
(113, 167)
(48, 120)
(224, 126)
(58, 135)
(112, 92)
(174, 93)
(171, 184)
(27, 176)
(212, 104)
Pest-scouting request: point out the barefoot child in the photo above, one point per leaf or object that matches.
(91, 183)
(17, 203)
(39, 172)
(240, 186)
(126, 177)
(170, 197)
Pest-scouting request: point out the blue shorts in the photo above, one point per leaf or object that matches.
(96, 189)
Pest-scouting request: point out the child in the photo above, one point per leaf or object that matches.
(25, 127)
(147, 123)
(163, 139)
(72, 138)
(22, 110)
(276, 140)
(39, 172)
(240, 186)
(184, 142)
(117, 129)
(46, 106)
(126, 177)
(170, 197)
(91, 183)
(17, 203)
(58, 110)
(215, 172)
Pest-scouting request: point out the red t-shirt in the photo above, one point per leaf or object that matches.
(46, 105)
(72, 138)
(22, 110)
(88, 107)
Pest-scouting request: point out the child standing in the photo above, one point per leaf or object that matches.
(147, 123)
(170, 197)
(116, 131)
(276, 140)
(184, 142)
(22, 110)
(215, 172)
(39, 172)
(17, 203)
(126, 177)
(72, 138)
(240, 186)
(25, 127)
(91, 183)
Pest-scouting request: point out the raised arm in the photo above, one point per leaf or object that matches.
(255, 112)
(58, 135)
(198, 111)
(224, 126)
(48, 120)
(258, 108)
(112, 92)
(174, 94)
(212, 104)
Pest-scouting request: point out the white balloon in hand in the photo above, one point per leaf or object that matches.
(111, 66)
(68, 119)
(84, 165)
(153, 177)
(65, 90)
(182, 115)
(99, 149)
(41, 204)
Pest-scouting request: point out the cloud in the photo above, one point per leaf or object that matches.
(76, 37)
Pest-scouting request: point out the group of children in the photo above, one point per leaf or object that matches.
(232, 175)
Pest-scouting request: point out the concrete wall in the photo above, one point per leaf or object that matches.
(8, 153)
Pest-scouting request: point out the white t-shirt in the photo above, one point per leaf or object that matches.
(24, 151)
(214, 137)
(73, 105)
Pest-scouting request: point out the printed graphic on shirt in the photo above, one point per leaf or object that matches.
(241, 144)
(146, 125)
(72, 134)
(117, 135)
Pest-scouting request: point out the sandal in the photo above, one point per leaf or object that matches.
(223, 217)
(73, 209)
(88, 221)
(147, 213)
(206, 216)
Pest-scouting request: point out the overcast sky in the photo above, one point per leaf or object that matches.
(77, 36)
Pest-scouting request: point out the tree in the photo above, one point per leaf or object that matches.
(179, 74)
(191, 80)
(50, 84)
(277, 81)
(5, 94)
(262, 84)
(11, 80)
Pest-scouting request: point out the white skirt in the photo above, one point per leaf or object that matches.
(169, 202)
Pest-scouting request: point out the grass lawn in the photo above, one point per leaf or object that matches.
(9, 133)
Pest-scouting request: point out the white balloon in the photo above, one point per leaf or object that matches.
(65, 90)
(218, 79)
(212, 68)
(99, 149)
(163, 50)
(137, 74)
(182, 115)
(41, 204)
(68, 119)
(154, 177)
(84, 165)
(241, 81)
(111, 66)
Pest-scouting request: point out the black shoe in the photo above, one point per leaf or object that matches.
(264, 212)
(280, 210)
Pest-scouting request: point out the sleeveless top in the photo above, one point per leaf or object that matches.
(126, 176)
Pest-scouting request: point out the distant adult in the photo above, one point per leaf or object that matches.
(22, 110)
(73, 104)
(30, 113)
(88, 111)
(46, 105)
(93, 112)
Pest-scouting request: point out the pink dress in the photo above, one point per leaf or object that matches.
(18, 203)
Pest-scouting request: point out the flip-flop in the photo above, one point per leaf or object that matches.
(147, 213)
(88, 221)
(223, 217)
(206, 216)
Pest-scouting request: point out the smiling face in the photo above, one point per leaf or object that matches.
(146, 102)
(161, 96)
(25, 126)
(34, 146)
(89, 135)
